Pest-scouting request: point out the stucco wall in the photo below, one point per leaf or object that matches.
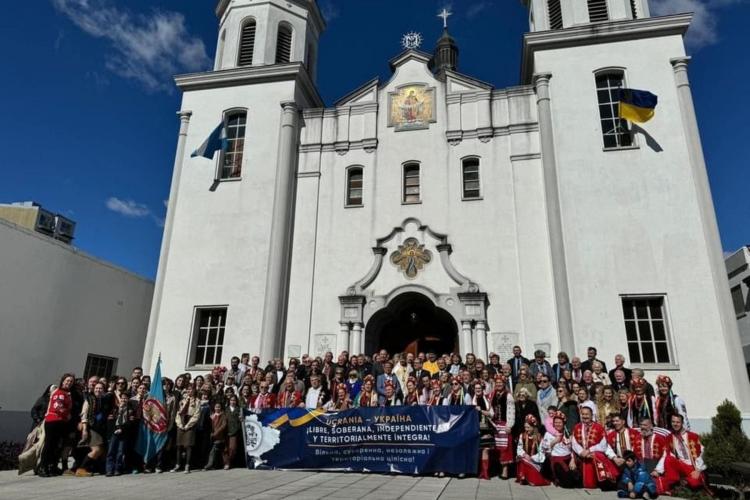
(56, 306)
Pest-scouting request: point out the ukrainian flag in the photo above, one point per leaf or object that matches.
(637, 105)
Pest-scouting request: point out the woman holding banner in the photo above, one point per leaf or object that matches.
(486, 430)
(504, 409)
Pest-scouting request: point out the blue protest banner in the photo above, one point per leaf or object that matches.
(400, 439)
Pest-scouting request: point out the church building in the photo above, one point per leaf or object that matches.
(434, 212)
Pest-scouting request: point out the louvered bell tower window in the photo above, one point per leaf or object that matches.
(247, 44)
(634, 9)
(598, 11)
(284, 44)
(555, 14)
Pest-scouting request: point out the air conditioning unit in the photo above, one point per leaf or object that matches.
(46, 222)
(64, 228)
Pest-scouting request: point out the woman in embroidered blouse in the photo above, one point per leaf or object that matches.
(556, 445)
(412, 396)
(367, 396)
(606, 405)
(504, 409)
(486, 429)
(529, 455)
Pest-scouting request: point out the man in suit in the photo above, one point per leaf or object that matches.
(620, 365)
(387, 375)
(589, 363)
(540, 365)
(419, 372)
(516, 361)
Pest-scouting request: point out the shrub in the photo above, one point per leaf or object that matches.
(725, 444)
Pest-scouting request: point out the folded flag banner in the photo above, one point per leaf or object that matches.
(637, 105)
(153, 432)
(393, 439)
(215, 142)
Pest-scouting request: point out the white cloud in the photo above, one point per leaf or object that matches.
(146, 48)
(328, 10)
(704, 28)
(477, 8)
(128, 208)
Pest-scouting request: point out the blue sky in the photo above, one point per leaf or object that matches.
(88, 125)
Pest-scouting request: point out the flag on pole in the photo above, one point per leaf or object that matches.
(153, 432)
(216, 141)
(637, 105)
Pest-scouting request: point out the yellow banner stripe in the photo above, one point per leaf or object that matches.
(296, 422)
(279, 421)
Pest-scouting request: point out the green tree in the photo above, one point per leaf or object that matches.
(726, 444)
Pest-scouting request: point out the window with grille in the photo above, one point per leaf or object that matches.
(234, 126)
(284, 44)
(411, 183)
(209, 326)
(247, 44)
(738, 299)
(598, 11)
(615, 132)
(354, 186)
(555, 14)
(101, 366)
(470, 177)
(646, 329)
(633, 9)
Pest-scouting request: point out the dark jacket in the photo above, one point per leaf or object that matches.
(234, 422)
(218, 427)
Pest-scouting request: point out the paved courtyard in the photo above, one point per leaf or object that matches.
(277, 485)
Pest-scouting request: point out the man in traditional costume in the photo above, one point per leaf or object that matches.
(589, 442)
(686, 458)
(622, 438)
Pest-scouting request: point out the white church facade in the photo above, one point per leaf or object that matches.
(432, 211)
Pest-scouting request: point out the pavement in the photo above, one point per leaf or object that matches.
(278, 485)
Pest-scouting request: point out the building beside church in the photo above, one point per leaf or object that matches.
(738, 272)
(61, 311)
(432, 211)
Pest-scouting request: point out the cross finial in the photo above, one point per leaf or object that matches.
(445, 14)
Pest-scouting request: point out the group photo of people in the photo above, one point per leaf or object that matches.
(572, 423)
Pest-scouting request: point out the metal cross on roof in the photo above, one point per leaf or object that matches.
(445, 14)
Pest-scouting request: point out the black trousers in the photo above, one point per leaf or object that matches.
(54, 433)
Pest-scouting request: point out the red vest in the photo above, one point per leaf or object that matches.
(595, 435)
(658, 446)
(633, 441)
(694, 446)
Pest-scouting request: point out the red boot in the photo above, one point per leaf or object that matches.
(484, 469)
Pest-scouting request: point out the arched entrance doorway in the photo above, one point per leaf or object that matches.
(411, 323)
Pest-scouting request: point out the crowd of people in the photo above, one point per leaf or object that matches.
(571, 423)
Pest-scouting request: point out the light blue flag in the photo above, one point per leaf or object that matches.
(217, 141)
(154, 424)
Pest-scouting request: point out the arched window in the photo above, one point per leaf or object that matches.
(284, 44)
(555, 14)
(411, 191)
(354, 186)
(247, 44)
(598, 11)
(470, 178)
(231, 162)
(615, 132)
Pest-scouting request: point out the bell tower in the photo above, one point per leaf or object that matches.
(253, 33)
(547, 15)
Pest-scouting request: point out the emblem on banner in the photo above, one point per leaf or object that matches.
(259, 439)
(154, 415)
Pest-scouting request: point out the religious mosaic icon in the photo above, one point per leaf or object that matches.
(411, 107)
(411, 257)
